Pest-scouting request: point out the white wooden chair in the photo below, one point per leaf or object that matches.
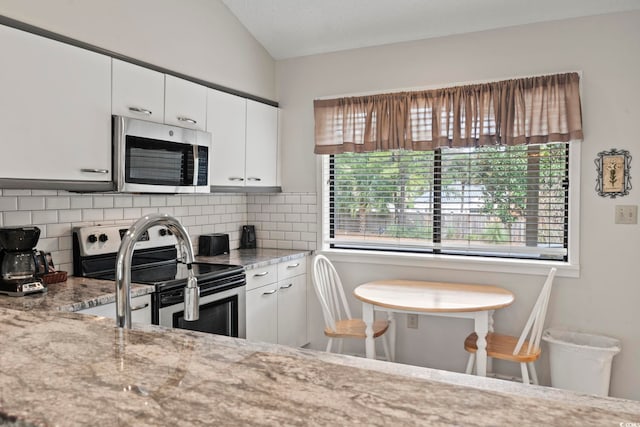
(338, 321)
(521, 350)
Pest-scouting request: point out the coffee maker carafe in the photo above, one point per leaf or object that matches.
(18, 261)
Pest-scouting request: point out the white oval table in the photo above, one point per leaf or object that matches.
(475, 302)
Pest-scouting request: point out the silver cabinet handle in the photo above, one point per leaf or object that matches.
(264, 273)
(187, 119)
(95, 170)
(286, 286)
(270, 292)
(140, 110)
(253, 178)
(235, 178)
(297, 264)
(140, 307)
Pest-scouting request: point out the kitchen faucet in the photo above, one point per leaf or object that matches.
(123, 267)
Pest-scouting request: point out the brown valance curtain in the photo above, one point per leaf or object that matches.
(511, 112)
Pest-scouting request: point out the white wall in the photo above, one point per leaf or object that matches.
(606, 296)
(199, 38)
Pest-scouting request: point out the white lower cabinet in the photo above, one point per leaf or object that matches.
(262, 313)
(277, 303)
(140, 310)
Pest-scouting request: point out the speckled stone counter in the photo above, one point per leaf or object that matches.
(82, 371)
(75, 294)
(255, 258)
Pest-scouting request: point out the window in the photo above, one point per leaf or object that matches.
(492, 201)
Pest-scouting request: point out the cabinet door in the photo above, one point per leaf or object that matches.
(262, 145)
(137, 92)
(226, 120)
(185, 103)
(262, 314)
(56, 109)
(292, 311)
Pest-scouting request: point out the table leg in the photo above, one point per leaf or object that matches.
(490, 359)
(392, 335)
(481, 329)
(367, 316)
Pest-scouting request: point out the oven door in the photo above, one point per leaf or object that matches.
(221, 313)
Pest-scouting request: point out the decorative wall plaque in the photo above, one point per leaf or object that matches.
(613, 178)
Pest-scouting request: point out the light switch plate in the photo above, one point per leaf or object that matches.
(412, 321)
(626, 214)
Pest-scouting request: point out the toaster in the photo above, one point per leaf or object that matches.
(213, 244)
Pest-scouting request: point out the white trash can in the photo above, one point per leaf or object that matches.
(579, 361)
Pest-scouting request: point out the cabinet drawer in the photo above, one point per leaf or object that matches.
(292, 268)
(261, 276)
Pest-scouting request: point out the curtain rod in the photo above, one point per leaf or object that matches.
(442, 86)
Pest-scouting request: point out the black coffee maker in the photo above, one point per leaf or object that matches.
(19, 263)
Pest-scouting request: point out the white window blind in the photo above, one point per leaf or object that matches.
(493, 201)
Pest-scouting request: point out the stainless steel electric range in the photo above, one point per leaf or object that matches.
(156, 262)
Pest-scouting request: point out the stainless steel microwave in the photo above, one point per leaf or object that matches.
(152, 157)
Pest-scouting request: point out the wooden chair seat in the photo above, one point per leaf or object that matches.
(355, 328)
(501, 346)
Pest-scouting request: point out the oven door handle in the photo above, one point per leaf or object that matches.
(140, 307)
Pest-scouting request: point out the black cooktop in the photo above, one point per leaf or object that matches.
(171, 274)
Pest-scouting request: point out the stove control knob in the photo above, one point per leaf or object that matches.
(103, 238)
(92, 238)
(163, 232)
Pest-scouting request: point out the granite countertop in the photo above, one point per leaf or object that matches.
(84, 371)
(75, 294)
(79, 293)
(255, 258)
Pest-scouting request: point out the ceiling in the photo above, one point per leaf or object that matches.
(292, 28)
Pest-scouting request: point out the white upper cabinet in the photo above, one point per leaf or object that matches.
(226, 120)
(262, 145)
(137, 92)
(56, 110)
(185, 103)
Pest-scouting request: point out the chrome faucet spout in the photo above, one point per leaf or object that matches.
(123, 267)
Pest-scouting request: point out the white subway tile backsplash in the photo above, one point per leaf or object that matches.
(284, 208)
(141, 201)
(81, 202)
(310, 199)
(286, 220)
(158, 201)
(44, 217)
(147, 211)
(292, 199)
(30, 203)
(57, 202)
(284, 226)
(102, 201)
(132, 213)
(292, 217)
(16, 218)
(48, 244)
(114, 214)
(8, 203)
(58, 230)
(70, 215)
(15, 192)
(44, 192)
(123, 202)
(92, 214)
(188, 200)
(195, 210)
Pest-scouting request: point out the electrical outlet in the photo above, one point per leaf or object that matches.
(412, 321)
(626, 214)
